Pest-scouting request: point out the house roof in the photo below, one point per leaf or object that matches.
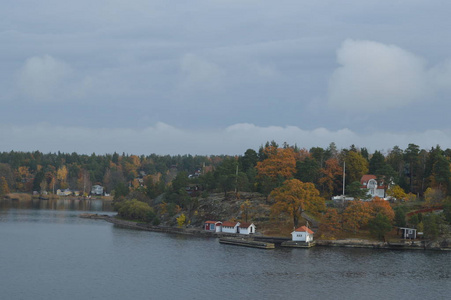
(245, 225)
(304, 229)
(229, 224)
(212, 222)
(368, 177)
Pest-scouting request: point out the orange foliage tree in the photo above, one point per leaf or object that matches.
(357, 214)
(294, 197)
(279, 165)
(332, 175)
(380, 206)
(330, 222)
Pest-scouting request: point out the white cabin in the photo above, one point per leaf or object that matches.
(246, 228)
(302, 234)
(230, 227)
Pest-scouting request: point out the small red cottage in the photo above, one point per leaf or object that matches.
(214, 226)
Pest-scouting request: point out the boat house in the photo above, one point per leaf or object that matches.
(230, 227)
(246, 228)
(302, 234)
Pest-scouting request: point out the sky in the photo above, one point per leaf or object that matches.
(222, 76)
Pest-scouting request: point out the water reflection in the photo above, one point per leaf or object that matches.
(58, 204)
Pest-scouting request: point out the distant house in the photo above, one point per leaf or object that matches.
(373, 187)
(408, 233)
(230, 227)
(246, 228)
(66, 192)
(97, 190)
(215, 226)
(302, 234)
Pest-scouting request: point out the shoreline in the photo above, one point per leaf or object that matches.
(199, 232)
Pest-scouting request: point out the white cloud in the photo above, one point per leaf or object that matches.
(44, 78)
(166, 139)
(375, 77)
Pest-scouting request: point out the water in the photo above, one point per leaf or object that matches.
(54, 254)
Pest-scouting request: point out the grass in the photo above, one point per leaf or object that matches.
(18, 196)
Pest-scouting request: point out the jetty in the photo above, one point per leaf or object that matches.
(246, 243)
(298, 244)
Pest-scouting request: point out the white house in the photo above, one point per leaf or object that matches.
(408, 233)
(215, 226)
(230, 227)
(97, 190)
(373, 187)
(302, 234)
(246, 228)
(65, 192)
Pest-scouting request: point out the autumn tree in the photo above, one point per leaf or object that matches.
(295, 197)
(357, 215)
(397, 192)
(331, 178)
(279, 165)
(4, 189)
(330, 223)
(380, 206)
(61, 176)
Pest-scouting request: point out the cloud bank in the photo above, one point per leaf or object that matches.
(166, 139)
(375, 77)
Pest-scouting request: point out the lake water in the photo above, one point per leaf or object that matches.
(48, 252)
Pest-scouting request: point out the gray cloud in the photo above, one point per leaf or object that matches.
(204, 66)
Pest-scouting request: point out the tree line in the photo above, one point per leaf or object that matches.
(413, 170)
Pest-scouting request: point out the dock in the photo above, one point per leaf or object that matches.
(297, 244)
(246, 243)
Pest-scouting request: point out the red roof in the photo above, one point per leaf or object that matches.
(245, 225)
(229, 224)
(368, 177)
(304, 229)
(212, 222)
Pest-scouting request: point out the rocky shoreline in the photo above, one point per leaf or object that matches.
(346, 243)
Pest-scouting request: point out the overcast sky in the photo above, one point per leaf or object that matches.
(222, 76)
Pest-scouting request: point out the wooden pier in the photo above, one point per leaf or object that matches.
(246, 243)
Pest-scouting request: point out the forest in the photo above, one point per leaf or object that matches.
(278, 172)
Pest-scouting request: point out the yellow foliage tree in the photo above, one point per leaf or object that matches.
(181, 220)
(294, 197)
(61, 174)
(397, 192)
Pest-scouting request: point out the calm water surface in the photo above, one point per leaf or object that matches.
(48, 252)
